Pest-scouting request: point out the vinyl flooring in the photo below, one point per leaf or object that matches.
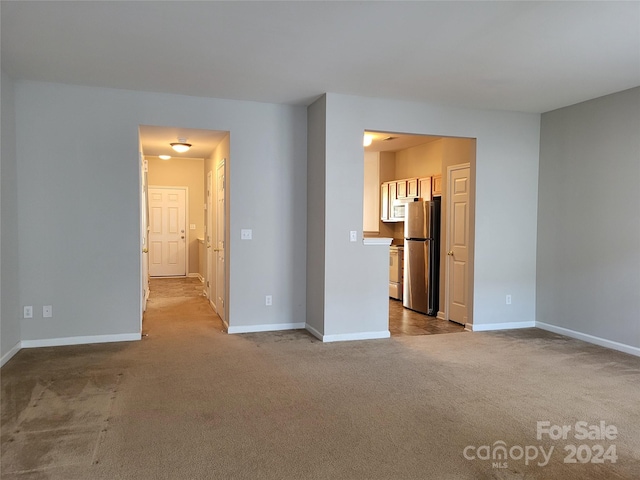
(402, 321)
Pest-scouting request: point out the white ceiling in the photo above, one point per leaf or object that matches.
(522, 56)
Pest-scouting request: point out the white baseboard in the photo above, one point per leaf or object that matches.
(440, 315)
(12, 351)
(265, 328)
(347, 337)
(603, 342)
(313, 331)
(196, 275)
(498, 326)
(58, 342)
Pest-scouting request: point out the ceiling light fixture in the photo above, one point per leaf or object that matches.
(181, 146)
(367, 139)
(165, 157)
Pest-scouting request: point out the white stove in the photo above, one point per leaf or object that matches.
(396, 264)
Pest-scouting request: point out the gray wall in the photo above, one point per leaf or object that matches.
(588, 225)
(316, 196)
(9, 304)
(78, 196)
(506, 208)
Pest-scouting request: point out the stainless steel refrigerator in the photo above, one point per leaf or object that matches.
(422, 256)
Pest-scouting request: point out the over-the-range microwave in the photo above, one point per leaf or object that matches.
(398, 209)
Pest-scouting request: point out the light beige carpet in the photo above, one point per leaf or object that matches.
(191, 402)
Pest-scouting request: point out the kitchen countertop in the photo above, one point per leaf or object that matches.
(377, 241)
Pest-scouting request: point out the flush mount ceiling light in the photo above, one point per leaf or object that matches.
(367, 139)
(181, 146)
(165, 157)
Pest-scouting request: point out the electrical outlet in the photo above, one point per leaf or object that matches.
(246, 234)
(28, 312)
(47, 311)
(268, 300)
(508, 299)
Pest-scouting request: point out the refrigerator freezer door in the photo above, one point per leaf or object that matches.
(416, 222)
(416, 268)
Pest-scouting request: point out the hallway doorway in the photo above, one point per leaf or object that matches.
(204, 228)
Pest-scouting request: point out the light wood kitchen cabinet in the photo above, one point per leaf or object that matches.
(393, 193)
(384, 201)
(424, 185)
(401, 188)
(437, 186)
(412, 187)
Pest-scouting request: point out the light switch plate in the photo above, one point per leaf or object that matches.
(47, 311)
(353, 236)
(246, 234)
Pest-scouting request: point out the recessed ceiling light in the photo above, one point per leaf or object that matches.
(165, 157)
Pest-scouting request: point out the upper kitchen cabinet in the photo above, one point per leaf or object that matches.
(372, 194)
(401, 189)
(424, 185)
(412, 187)
(384, 202)
(436, 188)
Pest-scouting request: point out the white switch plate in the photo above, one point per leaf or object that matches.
(246, 234)
(192, 226)
(268, 300)
(508, 299)
(47, 311)
(353, 236)
(28, 312)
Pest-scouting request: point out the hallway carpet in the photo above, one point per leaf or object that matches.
(191, 402)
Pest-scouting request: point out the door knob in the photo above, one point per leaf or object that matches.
(145, 250)
(450, 253)
(182, 237)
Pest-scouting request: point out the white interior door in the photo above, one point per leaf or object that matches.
(458, 188)
(167, 235)
(220, 244)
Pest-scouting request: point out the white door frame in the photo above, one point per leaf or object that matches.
(186, 222)
(144, 236)
(208, 240)
(221, 310)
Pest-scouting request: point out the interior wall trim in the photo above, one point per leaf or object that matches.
(485, 327)
(347, 337)
(12, 351)
(273, 327)
(603, 342)
(58, 342)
